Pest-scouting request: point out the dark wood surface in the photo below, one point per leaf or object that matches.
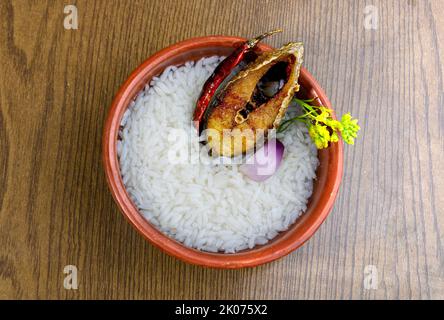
(56, 86)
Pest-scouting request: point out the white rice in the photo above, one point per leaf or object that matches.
(206, 206)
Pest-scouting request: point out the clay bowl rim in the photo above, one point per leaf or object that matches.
(248, 258)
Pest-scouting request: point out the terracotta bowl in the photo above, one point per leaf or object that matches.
(329, 172)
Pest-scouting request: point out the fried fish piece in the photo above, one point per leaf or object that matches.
(254, 101)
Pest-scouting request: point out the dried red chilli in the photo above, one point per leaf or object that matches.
(221, 72)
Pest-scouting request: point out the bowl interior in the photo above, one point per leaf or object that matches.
(326, 185)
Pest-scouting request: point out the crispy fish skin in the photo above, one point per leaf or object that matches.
(229, 133)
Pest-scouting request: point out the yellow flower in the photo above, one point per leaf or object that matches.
(349, 129)
(324, 116)
(334, 124)
(320, 135)
(321, 125)
(334, 137)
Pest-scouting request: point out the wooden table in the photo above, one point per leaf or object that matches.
(56, 86)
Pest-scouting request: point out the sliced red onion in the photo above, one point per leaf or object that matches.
(264, 162)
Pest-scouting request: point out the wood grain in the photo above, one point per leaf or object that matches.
(55, 208)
